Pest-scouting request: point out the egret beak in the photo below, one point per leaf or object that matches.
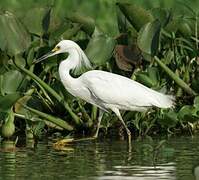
(49, 54)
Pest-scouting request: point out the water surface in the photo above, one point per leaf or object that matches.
(178, 158)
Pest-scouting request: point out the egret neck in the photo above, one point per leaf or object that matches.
(65, 66)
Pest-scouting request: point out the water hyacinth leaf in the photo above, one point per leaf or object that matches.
(184, 28)
(20, 60)
(153, 74)
(14, 38)
(163, 15)
(88, 24)
(136, 15)
(3, 62)
(11, 81)
(100, 48)
(30, 56)
(196, 102)
(46, 20)
(7, 101)
(121, 21)
(170, 119)
(186, 114)
(173, 25)
(148, 37)
(34, 20)
(144, 79)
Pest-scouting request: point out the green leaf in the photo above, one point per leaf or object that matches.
(184, 28)
(136, 15)
(100, 48)
(55, 120)
(170, 119)
(148, 37)
(88, 24)
(36, 20)
(186, 114)
(163, 15)
(153, 74)
(144, 79)
(11, 81)
(176, 78)
(7, 101)
(46, 20)
(14, 38)
(196, 101)
(52, 92)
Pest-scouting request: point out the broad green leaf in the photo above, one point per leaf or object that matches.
(11, 81)
(136, 15)
(144, 79)
(100, 48)
(163, 15)
(30, 56)
(7, 101)
(187, 114)
(148, 37)
(3, 62)
(184, 28)
(20, 60)
(153, 74)
(14, 38)
(196, 101)
(46, 20)
(36, 20)
(88, 24)
(170, 119)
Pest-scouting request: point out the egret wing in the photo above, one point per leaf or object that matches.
(115, 89)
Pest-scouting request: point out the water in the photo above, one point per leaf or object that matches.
(178, 158)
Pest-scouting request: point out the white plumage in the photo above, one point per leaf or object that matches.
(106, 90)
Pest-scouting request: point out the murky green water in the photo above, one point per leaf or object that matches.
(178, 158)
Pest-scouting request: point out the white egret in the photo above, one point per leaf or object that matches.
(105, 90)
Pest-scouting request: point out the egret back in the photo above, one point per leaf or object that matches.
(122, 92)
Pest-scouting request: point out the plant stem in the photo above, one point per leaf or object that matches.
(59, 122)
(52, 92)
(178, 81)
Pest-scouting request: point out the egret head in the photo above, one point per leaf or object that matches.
(62, 47)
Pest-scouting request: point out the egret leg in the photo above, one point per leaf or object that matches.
(101, 113)
(117, 112)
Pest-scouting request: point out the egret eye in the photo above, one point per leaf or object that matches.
(58, 47)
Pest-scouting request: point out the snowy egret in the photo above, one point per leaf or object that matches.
(105, 90)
